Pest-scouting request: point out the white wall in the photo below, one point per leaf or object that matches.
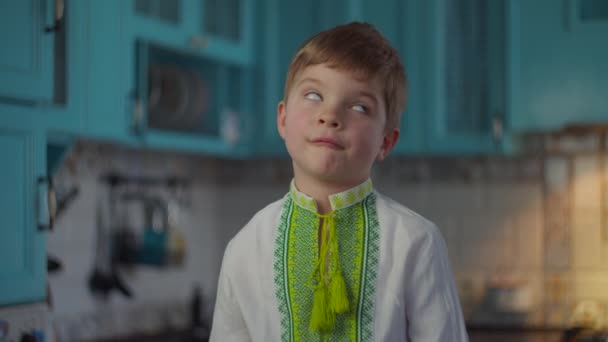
(490, 211)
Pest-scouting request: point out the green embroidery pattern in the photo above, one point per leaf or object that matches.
(301, 199)
(352, 226)
(295, 256)
(280, 276)
(302, 257)
(352, 196)
(372, 250)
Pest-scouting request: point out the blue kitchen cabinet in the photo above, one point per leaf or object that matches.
(163, 78)
(214, 116)
(461, 80)
(440, 59)
(26, 62)
(28, 126)
(165, 21)
(285, 25)
(398, 21)
(109, 64)
(65, 115)
(23, 206)
(558, 61)
(282, 27)
(217, 28)
(43, 71)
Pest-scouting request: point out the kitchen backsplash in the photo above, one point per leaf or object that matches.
(527, 223)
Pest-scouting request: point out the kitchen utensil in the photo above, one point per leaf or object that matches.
(53, 264)
(153, 250)
(105, 278)
(510, 295)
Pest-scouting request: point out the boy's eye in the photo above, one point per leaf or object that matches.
(360, 108)
(313, 96)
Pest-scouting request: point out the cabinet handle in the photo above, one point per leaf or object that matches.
(497, 128)
(46, 204)
(59, 13)
(138, 116)
(199, 42)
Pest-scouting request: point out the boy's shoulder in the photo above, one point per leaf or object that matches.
(262, 224)
(403, 220)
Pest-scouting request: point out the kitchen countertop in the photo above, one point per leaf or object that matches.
(477, 333)
(186, 335)
(488, 333)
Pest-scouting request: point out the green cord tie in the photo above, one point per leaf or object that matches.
(330, 296)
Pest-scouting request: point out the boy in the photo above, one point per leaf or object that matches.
(335, 260)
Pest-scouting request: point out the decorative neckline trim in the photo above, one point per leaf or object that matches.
(337, 201)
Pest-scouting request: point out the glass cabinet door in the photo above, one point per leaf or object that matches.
(225, 28)
(220, 29)
(465, 85)
(164, 21)
(222, 19)
(164, 11)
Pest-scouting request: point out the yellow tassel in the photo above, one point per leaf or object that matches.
(338, 298)
(322, 318)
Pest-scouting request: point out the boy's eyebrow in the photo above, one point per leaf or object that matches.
(309, 80)
(369, 95)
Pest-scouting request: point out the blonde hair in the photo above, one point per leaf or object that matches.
(360, 48)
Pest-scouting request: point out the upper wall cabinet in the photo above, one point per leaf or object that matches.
(285, 25)
(558, 60)
(42, 65)
(218, 28)
(399, 22)
(172, 74)
(462, 75)
(26, 62)
(22, 245)
(282, 27)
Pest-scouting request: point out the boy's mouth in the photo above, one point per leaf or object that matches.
(328, 142)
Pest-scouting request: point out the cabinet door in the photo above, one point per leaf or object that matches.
(26, 61)
(219, 29)
(192, 102)
(109, 71)
(397, 20)
(22, 247)
(558, 63)
(283, 27)
(461, 58)
(225, 29)
(463, 79)
(167, 22)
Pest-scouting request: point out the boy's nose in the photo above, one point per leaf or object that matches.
(329, 119)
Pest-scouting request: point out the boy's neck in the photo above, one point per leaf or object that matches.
(320, 191)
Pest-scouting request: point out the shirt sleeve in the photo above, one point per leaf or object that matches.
(432, 306)
(228, 323)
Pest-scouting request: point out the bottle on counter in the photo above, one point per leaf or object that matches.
(200, 330)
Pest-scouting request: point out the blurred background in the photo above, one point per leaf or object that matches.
(138, 136)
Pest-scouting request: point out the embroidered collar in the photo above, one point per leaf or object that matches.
(337, 201)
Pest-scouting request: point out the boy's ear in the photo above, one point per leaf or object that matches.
(388, 142)
(281, 118)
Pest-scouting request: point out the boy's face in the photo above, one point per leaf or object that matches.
(334, 125)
